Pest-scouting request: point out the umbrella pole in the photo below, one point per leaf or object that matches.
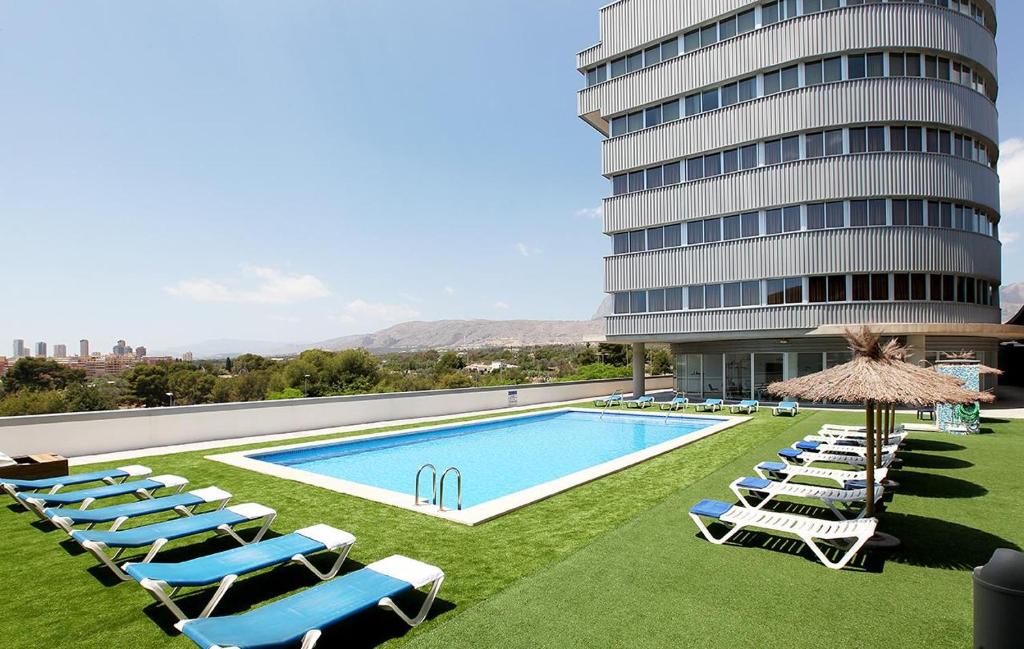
(885, 421)
(878, 435)
(869, 411)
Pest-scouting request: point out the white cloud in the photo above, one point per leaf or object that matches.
(257, 285)
(503, 306)
(591, 212)
(527, 251)
(360, 310)
(448, 290)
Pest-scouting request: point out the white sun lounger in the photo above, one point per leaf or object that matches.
(785, 472)
(769, 490)
(797, 456)
(841, 447)
(811, 531)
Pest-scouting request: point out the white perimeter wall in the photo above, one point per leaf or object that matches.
(89, 433)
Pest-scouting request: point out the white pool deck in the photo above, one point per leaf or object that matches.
(492, 508)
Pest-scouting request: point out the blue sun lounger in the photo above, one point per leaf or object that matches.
(709, 404)
(163, 580)
(640, 402)
(157, 535)
(12, 486)
(183, 503)
(141, 489)
(791, 408)
(301, 617)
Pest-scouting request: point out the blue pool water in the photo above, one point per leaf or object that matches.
(496, 458)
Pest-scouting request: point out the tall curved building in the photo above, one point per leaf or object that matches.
(779, 171)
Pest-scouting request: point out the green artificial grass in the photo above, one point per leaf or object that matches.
(611, 563)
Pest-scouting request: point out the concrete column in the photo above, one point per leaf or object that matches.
(639, 362)
(916, 349)
(789, 367)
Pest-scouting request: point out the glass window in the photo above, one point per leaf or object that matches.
(602, 73)
(812, 6)
(731, 227)
(731, 294)
(773, 152)
(636, 241)
(833, 69)
(794, 290)
(622, 303)
(858, 214)
(837, 288)
(773, 221)
(879, 287)
(791, 148)
(816, 216)
(876, 212)
(713, 296)
(944, 137)
(654, 178)
(638, 302)
(913, 66)
(620, 184)
(835, 216)
(899, 212)
(944, 69)
(737, 376)
(876, 138)
(618, 67)
(896, 66)
(858, 140)
(591, 77)
(652, 55)
(917, 286)
(933, 214)
(776, 291)
(914, 138)
(727, 28)
(634, 62)
(935, 282)
(692, 104)
(670, 49)
(861, 288)
(730, 94)
(876, 64)
(619, 126)
(673, 299)
(712, 165)
(696, 300)
(691, 41)
(790, 77)
(769, 13)
(857, 66)
(901, 287)
(947, 288)
(945, 215)
(915, 212)
(745, 21)
(808, 363)
(730, 161)
(815, 145)
(751, 224)
(772, 82)
(791, 218)
(636, 181)
(748, 156)
(748, 88)
(751, 293)
(767, 369)
(695, 168)
(709, 99)
(712, 230)
(816, 289)
(652, 116)
(620, 243)
(834, 142)
(670, 111)
(670, 173)
(673, 235)
(636, 121)
(656, 300)
(931, 67)
(709, 35)
(897, 138)
(813, 73)
(695, 232)
(655, 238)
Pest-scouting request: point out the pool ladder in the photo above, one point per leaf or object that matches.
(435, 498)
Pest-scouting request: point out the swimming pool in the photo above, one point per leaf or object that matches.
(504, 462)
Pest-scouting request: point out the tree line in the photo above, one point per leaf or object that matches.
(40, 386)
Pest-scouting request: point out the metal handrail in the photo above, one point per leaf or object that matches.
(433, 484)
(458, 488)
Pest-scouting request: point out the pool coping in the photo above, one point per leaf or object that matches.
(484, 511)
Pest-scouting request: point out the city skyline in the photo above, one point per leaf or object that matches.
(272, 211)
(52, 349)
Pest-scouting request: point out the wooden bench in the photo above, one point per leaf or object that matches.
(33, 467)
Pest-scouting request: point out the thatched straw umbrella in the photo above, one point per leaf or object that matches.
(879, 378)
(972, 358)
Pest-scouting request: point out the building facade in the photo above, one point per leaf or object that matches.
(18, 348)
(83, 348)
(779, 171)
(60, 351)
(40, 350)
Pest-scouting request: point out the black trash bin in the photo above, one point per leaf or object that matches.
(999, 601)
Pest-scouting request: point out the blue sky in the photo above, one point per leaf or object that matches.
(174, 172)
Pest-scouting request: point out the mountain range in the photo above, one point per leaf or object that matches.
(465, 334)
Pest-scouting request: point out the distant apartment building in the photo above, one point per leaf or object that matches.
(140, 352)
(83, 348)
(121, 349)
(60, 351)
(40, 350)
(779, 171)
(18, 349)
(187, 357)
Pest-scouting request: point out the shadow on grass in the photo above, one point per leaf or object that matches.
(932, 485)
(935, 543)
(367, 629)
(926, 461)
(918, 444)
(865, 560)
